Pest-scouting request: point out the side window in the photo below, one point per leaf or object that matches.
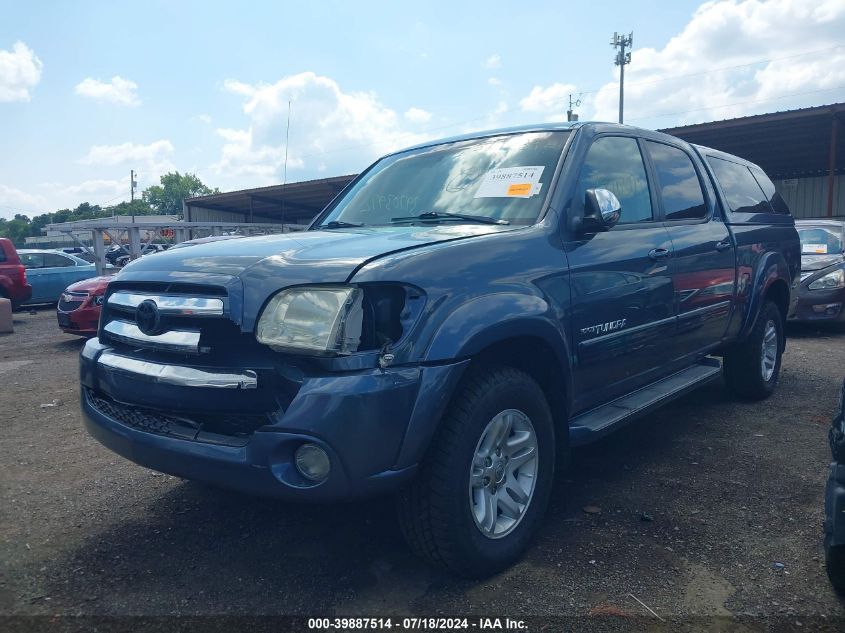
(677, 182)
(615, 163)
(739, 186)
(54, 260)
(32, 260)
(778, 203)
(2, 254)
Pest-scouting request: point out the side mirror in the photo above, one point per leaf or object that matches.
(602, 210)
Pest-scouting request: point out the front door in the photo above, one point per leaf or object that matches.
(623, 320)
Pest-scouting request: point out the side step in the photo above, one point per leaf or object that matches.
(596, 423)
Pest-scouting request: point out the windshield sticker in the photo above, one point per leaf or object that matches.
(816, 249)
(510, 182)
(522, 189)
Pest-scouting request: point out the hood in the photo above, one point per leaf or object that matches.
(303, 257)
(812, 263)
(95, 285)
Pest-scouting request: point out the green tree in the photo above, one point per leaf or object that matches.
(136, 207)
(16, 229)
(175, 187)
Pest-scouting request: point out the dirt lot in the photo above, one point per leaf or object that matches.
(731, 489)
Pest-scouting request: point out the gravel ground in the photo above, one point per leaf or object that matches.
(695, 505)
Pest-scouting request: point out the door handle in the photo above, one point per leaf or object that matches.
(723, 245)
(659, 253)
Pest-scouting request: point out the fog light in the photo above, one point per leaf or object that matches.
(827, 308)
(312, 462)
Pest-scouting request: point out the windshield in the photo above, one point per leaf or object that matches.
(501, 178)
(820, 240)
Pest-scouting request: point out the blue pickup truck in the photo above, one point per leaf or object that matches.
(458, 319)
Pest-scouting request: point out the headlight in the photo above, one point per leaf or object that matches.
(318, 319)
(836, 279)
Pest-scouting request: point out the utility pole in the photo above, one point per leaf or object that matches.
(570, 114)
(132, 185)
(622, 58)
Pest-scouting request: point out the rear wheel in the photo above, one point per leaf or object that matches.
(752, 368)
(485, 484)
(834, 559)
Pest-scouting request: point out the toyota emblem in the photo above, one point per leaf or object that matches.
(148, 318)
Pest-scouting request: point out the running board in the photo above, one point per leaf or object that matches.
(596, 423)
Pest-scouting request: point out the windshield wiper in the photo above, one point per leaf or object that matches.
(442, 215)
(339, 224)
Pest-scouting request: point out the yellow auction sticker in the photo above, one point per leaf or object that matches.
(521, 189)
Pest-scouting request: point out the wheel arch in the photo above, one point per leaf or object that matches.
(770, 283)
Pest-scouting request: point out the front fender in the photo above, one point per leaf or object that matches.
(493, 318)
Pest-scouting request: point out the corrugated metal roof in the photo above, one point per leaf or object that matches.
(293, 203)
(786, 144)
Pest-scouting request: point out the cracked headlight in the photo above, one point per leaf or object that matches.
(319, 319)
(836, 279)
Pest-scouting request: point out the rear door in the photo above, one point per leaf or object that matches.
(703, 263)
(621, 288)
(58, 273)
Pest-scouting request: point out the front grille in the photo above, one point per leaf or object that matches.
(227, 429)
(70, 301)
(212, 329)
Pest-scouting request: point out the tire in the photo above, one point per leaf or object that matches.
(744, 370)
(443, 514)
(834, 560)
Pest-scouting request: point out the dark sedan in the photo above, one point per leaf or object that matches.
(822, 293)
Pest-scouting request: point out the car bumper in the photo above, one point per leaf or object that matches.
(373, 424)
(82, 321)
(19, 295)
(820, 305)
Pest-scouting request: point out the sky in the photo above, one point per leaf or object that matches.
(91, 90)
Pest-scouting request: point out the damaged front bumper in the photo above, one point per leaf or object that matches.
(239, 427)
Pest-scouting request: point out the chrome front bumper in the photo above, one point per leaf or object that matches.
(177, 375)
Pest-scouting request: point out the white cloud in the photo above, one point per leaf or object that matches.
(118, 90)
(494, 61)
(494, 81)
(13, 201)
(98, 191)
(417, 115)
(551, 102)
(204, 118)
(20, 72)
(152, 160)
(729, 34)
(330, 130)
(52, 196)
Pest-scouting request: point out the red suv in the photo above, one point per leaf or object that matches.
(13, 284)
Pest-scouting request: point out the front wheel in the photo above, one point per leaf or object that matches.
(752, 367)
(485, 484)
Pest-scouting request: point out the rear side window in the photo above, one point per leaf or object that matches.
(778, 203)
(677, 182)
(2, 253)
(54, 260)
(615, 163)
(32, 260)
(741, 189)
